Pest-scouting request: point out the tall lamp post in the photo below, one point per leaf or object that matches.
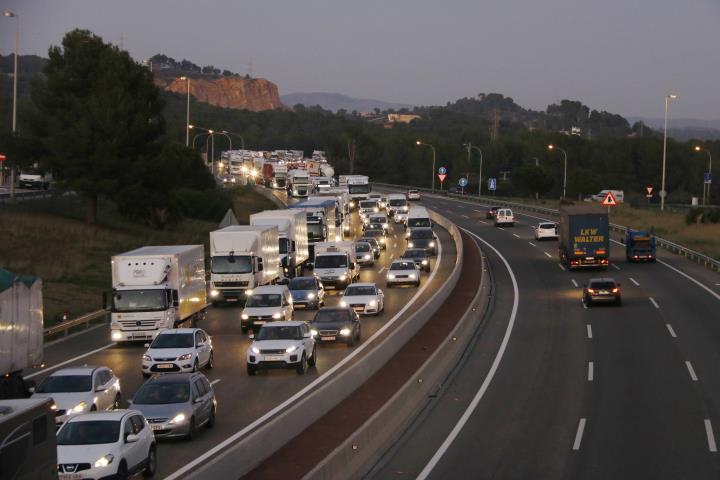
(470, 146)
(187, 115)
(433, 167)
(555, 147)
(10, 14)
(242, 140)
(663, 193)
(706, 186)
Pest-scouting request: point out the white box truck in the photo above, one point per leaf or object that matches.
(298, 183)
(242, 257)
(335, 264)
(292, 237)
(21, 331)
(156, 288)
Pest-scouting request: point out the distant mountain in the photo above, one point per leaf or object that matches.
(337, 101)
(684, 128)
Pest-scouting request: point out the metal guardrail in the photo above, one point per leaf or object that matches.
(5, 196)
(64, 327)
(692, 255)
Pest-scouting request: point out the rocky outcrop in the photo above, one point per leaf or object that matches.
(254, 94)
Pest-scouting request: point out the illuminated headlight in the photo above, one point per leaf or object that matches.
(313, 332)
(424, 262)
(391, 276)
(277, 315)
(410, 244)
(342, 277)
(255, 350)
(147, 358)
(366, 257)
(186, 356)
(80, 407)
(386, 226)
(310, 296)
(343, 304)
(372, 303)
(104, 461)
(405, 207)
(376, 209)
(248, 292)
(412, 275)
(345, 332)
(347, 228)
(337, 238)
(352, 204)
(366, 220)
(116, 336)
(432, 244)
(214, 293)
(291, 349)
(295, 192)
(286, 269)
(244, 316)
(382, 240)
(179, 418)
(407, 234)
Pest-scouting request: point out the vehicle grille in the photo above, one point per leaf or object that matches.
(357, 306)
(280, 351)
(231, 284)
(164, 359)
(266, 318)
(328, 279)
(73, 467)
(140, 324)
(328, 333)
(401, 276)
(157, 420)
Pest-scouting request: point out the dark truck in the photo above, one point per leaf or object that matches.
(639, 246)
(584, 236)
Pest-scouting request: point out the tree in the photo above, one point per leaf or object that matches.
(99, 116)
(529, 179)
(583, 182)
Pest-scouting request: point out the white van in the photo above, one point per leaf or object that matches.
(265, 304)
(618, 194)
(504, 216)
(418, 217)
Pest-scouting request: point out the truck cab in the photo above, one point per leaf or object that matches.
(640, 246)
(335, 264)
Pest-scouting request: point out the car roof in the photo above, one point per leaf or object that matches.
(284, 324)
(414, 250)
(177, 331)
(107, 415)
(84, 370)
(269, 289)
(334, 309)
(363, 284)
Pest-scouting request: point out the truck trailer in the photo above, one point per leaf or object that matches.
(584, 236)
(156, 288)
(292, 237)
(274, 175)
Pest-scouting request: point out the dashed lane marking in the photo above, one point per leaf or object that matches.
(516, 235)
(635, 282)
(579, 434)
(532, 244)
(575, 284)
(589, 330)
(591, 371)
(655, 304)
(671, 330)
(691, 371)
(547, 255)
(710, 436)
(560, 266)
(615, 266)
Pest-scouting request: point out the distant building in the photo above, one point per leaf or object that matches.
(401, 117)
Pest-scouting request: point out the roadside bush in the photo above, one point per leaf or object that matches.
(698, 215)
(208, 205)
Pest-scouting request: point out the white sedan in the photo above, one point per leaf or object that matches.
(403, 272)
(178, 350)
(546, 230)
(413, 195)
(363, 298)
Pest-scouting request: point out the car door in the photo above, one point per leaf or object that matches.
(202, 347)
(307, 339)
(200, 401)
(320, 290)
(129, 450)
(100, 389)
(140, 448)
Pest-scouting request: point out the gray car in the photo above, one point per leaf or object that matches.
(176, 404)
(336, 324)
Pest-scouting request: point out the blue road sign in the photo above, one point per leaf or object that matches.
(707, 177)
(492, 184)
(462, 182)
(442, 170)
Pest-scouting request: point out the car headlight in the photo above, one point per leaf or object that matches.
(386, 226)
(342, 277)
(313, 332)
(214, 293)
(410, 245)
(186, 356)
(310, 296)
(345, 332)
(352, 204)
(391, 276)
(405, 207)
(432, 244)
(412, 275)
(373, 303)
(376, 209)
(248, 292)
(277, 315)
(147, 358)
(343, 304)
(244, 316)
(79, 407)
(116, 335)
(255, 349)
(382, 240)
(366, 257)
(179, 418)
(424, 262)
(104, 461)
(347, 228)
(291, 349)
(407, 234)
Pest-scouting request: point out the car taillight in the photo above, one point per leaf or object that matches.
(615, 290)
(590, 290)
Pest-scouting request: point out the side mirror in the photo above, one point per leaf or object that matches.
(147, 345)
(31, 389)
(380, 292)
(100, 388)
(131, 438)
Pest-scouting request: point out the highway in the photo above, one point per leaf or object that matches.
(241, 399)
(551, 389)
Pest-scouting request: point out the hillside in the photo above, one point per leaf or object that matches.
(338, 101)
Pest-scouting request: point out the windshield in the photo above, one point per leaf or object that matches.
(264, 300)
(414, 234)
(602, 285)
(418, 222)
(173, 340)
(362, 247)
(315, 230)
(400, 202)
(227, 264)
(65, 384)
(371, 241)
(402, 266)
(547, 226)
(279, 333)
(139, 300)
(368, 204)
(331, 261)
(284, 244)
(162, 393)
(379, 220)
(414, 254)
(332, 316)
(359, 188)
(355, 291)
(93, 432)
(302, 284)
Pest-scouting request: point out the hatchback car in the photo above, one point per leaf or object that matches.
(413, 195)
(490, 214)
(403, 272)
(504, 216)
(602, 290)
(178, 350)
(546, 230)
(419, 256)
(422, 238)
(373, 243)
(106, 445)
(282, 345)
(364, 254)
(80, 389)
(307, 292)
(364, 298)
(267, 304)
(336, 324)
(176, 404)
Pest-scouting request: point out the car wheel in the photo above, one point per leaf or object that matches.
(150, 463)
(93, 408)
(195, 366)
(301, 368)
(211, 361)
(191, 429)
(116, 402)
(211, 420)
(251, 369)
(417, 284)
(145, 375)
(312, 361)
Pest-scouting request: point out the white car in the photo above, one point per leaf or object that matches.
(363, 298)
(400, 216)
(504, 216)
(403, 272)
(178, 350)
(80, 389)
(282, 345)
(546, 230)
(265, 304)
(413, 195)
(106, 445)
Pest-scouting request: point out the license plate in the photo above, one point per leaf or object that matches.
(259, 322)
(329, 339)
(156, 427)
(359, 309)
(273, 358)
(70, 476)
(165, 365)
(589, 258)
(603, 292)
(231, 300)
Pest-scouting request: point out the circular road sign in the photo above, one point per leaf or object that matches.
(442, 170)
(462, 182)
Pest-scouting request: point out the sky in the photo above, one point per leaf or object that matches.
(622, 56)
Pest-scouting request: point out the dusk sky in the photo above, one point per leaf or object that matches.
(617, 55)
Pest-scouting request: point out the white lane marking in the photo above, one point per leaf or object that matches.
(74, 359)
(483, 221)
(532, 244)
(395, 245)
(381, 270)
(516, 235)
(696, 282)
(589, 331)
(575, 284)
(547, 255)
(500, 228)
(203, 459)
(633, 280)
(710, 436)
(488, 379)
(655, 304)
(579, 434)
(671, 330)
(591, 371)
(691, 371)
(615, 266)
(479, 211)
(217, 380)
(560, 266)
(464, 216)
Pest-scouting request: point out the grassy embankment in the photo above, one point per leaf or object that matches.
(48, 238)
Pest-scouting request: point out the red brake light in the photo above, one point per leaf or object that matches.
(615, 290)
(590, 290)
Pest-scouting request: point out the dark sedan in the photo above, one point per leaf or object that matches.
(423, 238)
(419, 256)
(602, 290)
(336, 325)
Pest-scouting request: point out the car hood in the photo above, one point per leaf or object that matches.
(401, 272)
(330, 272)
(66, 401)
(261, 311)
(275, 344)
(167, 352)
(85, 453)
(330, 325)
(359, 299)
(167, 410)
(420, 241)
(302, 294)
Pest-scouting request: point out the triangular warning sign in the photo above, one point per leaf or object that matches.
(609, 200)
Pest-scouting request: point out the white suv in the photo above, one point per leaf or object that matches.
(265, 304)
(80, 389)
(178, 350)
(504, 216)
(106, 445)
(546, 230)
(282, 345)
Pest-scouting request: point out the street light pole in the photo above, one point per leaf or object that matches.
(433, 167)
(242, 140)
(470, 146)
(552, 147)
(10, 14)
(187, 115)
(663, 193)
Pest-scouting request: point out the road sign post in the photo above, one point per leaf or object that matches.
(463, 183)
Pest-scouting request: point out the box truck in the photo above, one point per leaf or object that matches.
(335, 264)
(292, 237)
(156, 288)
(242, 257)
(584, 236)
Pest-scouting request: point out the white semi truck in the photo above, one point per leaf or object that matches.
(292, 237)
(242, 257)
(358, 187)
(156, 288)
(298, 183)
(335, 264)
(21, 331)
